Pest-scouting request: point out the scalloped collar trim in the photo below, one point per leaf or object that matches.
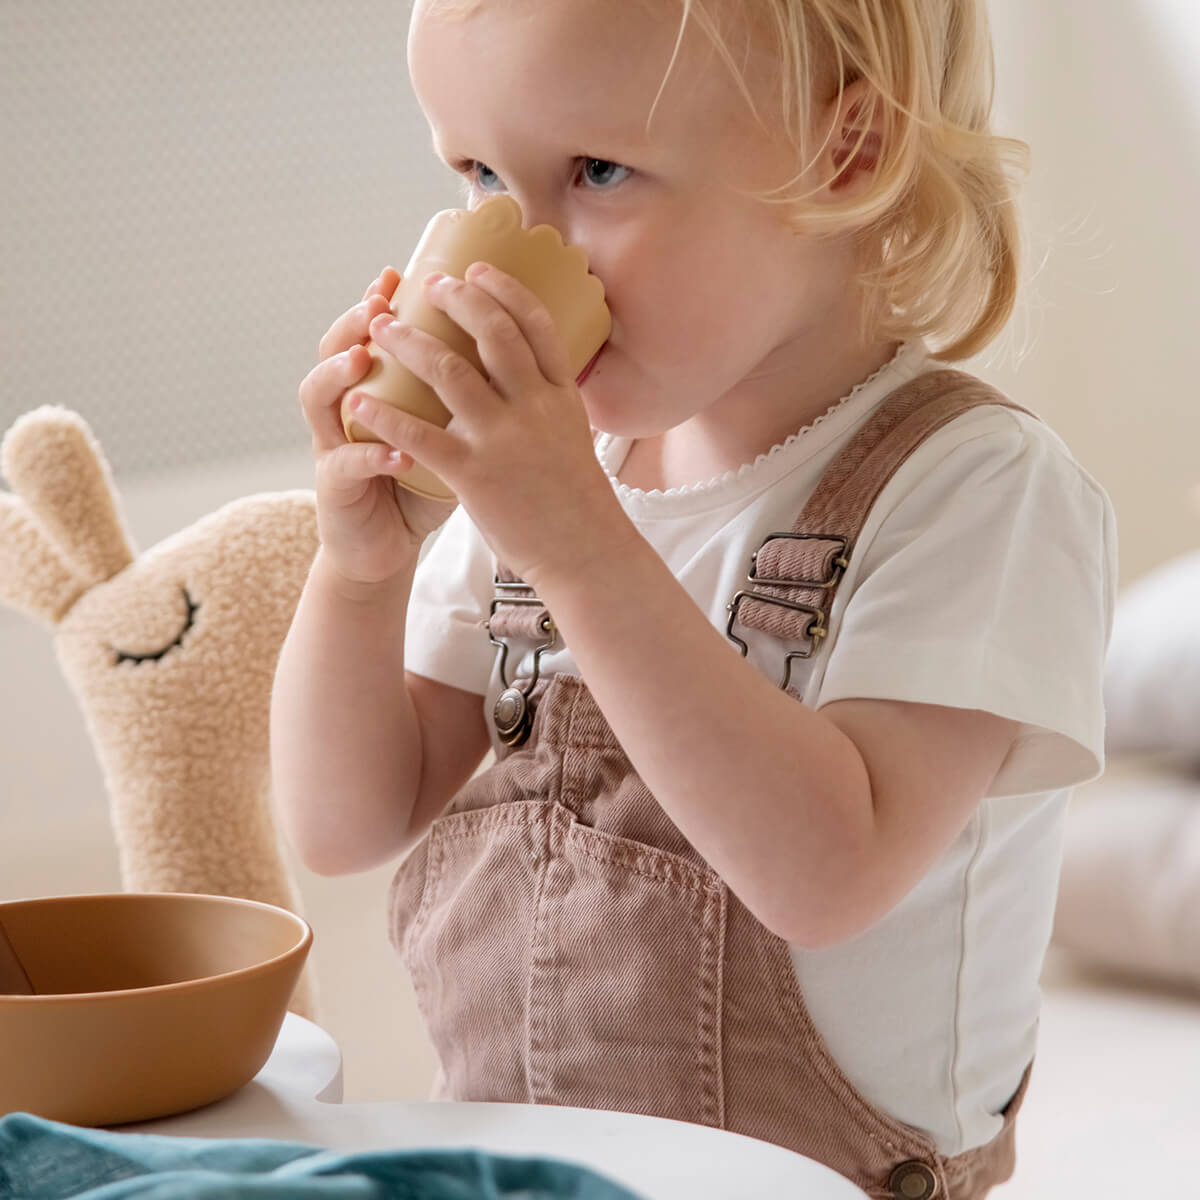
(905, 364)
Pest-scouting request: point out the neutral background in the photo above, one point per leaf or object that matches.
(192, 192)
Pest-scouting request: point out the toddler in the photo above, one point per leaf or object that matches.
(786, 637)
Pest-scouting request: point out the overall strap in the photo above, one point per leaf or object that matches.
(523, 615)
(794, 575)
(517, 613)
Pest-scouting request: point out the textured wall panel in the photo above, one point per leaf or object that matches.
(189, 194)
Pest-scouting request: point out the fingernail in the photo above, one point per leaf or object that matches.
(433, 277)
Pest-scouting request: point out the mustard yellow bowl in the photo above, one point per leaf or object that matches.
(143, 1004)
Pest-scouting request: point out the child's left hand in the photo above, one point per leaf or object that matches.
(518, 450)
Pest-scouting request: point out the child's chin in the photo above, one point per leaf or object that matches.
(602, 413)
(615, 406)
(620, 424)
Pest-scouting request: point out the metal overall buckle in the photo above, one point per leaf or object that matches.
(513, 712)
(816, 628)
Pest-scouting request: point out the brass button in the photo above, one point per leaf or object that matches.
(913, 1181)
(513, 717)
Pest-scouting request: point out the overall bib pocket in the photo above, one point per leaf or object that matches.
(463, 933)
(626, 975)
(558, 964)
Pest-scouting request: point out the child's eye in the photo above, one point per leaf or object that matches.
(605, 171)
(477, 171)
(598, 170)
(473, 173)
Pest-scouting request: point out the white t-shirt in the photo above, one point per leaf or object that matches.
(984, 577)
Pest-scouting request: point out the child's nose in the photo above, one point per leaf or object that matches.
(543, 210)
(536, 211)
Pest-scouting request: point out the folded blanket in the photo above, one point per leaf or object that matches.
(48, 1160)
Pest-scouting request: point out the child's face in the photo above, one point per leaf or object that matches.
(710, 295)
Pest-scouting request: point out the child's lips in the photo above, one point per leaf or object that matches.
(587, 370)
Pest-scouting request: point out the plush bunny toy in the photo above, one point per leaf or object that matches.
(170, 653)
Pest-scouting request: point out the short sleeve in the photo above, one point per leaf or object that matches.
(990, 584)
(445, 634)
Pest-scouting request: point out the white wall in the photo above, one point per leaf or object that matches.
(1108, 94)
(200, 188)
(191, 193)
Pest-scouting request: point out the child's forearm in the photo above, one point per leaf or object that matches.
(775, 796)
(345, 740)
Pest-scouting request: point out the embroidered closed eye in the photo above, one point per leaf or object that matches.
(121, 656)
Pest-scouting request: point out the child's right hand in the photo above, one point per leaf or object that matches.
(371, 528)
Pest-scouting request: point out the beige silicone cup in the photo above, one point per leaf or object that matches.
(455, 238)
(144, 1004)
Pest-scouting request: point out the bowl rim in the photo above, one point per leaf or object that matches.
(115, 996)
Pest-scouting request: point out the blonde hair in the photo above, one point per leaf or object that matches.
(937, 224)
(938, 241)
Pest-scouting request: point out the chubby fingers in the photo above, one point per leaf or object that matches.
(343, 361)
(531, 317)
(385, 285)
(455, 379)
(519, 344)
(423, 441)
(321, 392)
(349, 466)
(351, 327)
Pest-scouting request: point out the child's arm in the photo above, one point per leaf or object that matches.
(362, 761)
(820, 831)
(821, 821)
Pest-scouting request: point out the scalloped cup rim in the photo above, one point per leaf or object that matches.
(513, 216)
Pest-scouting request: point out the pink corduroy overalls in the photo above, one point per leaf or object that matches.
(568, 946)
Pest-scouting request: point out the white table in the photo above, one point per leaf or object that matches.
(295, 1097)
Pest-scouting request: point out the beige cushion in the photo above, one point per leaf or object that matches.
(1152, 672)
(1129, 899)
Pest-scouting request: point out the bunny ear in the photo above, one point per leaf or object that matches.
(55, 464)
(33, 577)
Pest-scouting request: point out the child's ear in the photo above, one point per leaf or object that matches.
(855, 140)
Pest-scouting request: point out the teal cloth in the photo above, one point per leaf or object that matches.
(47, 1160)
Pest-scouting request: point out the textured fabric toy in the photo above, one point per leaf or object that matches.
(170, 653)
